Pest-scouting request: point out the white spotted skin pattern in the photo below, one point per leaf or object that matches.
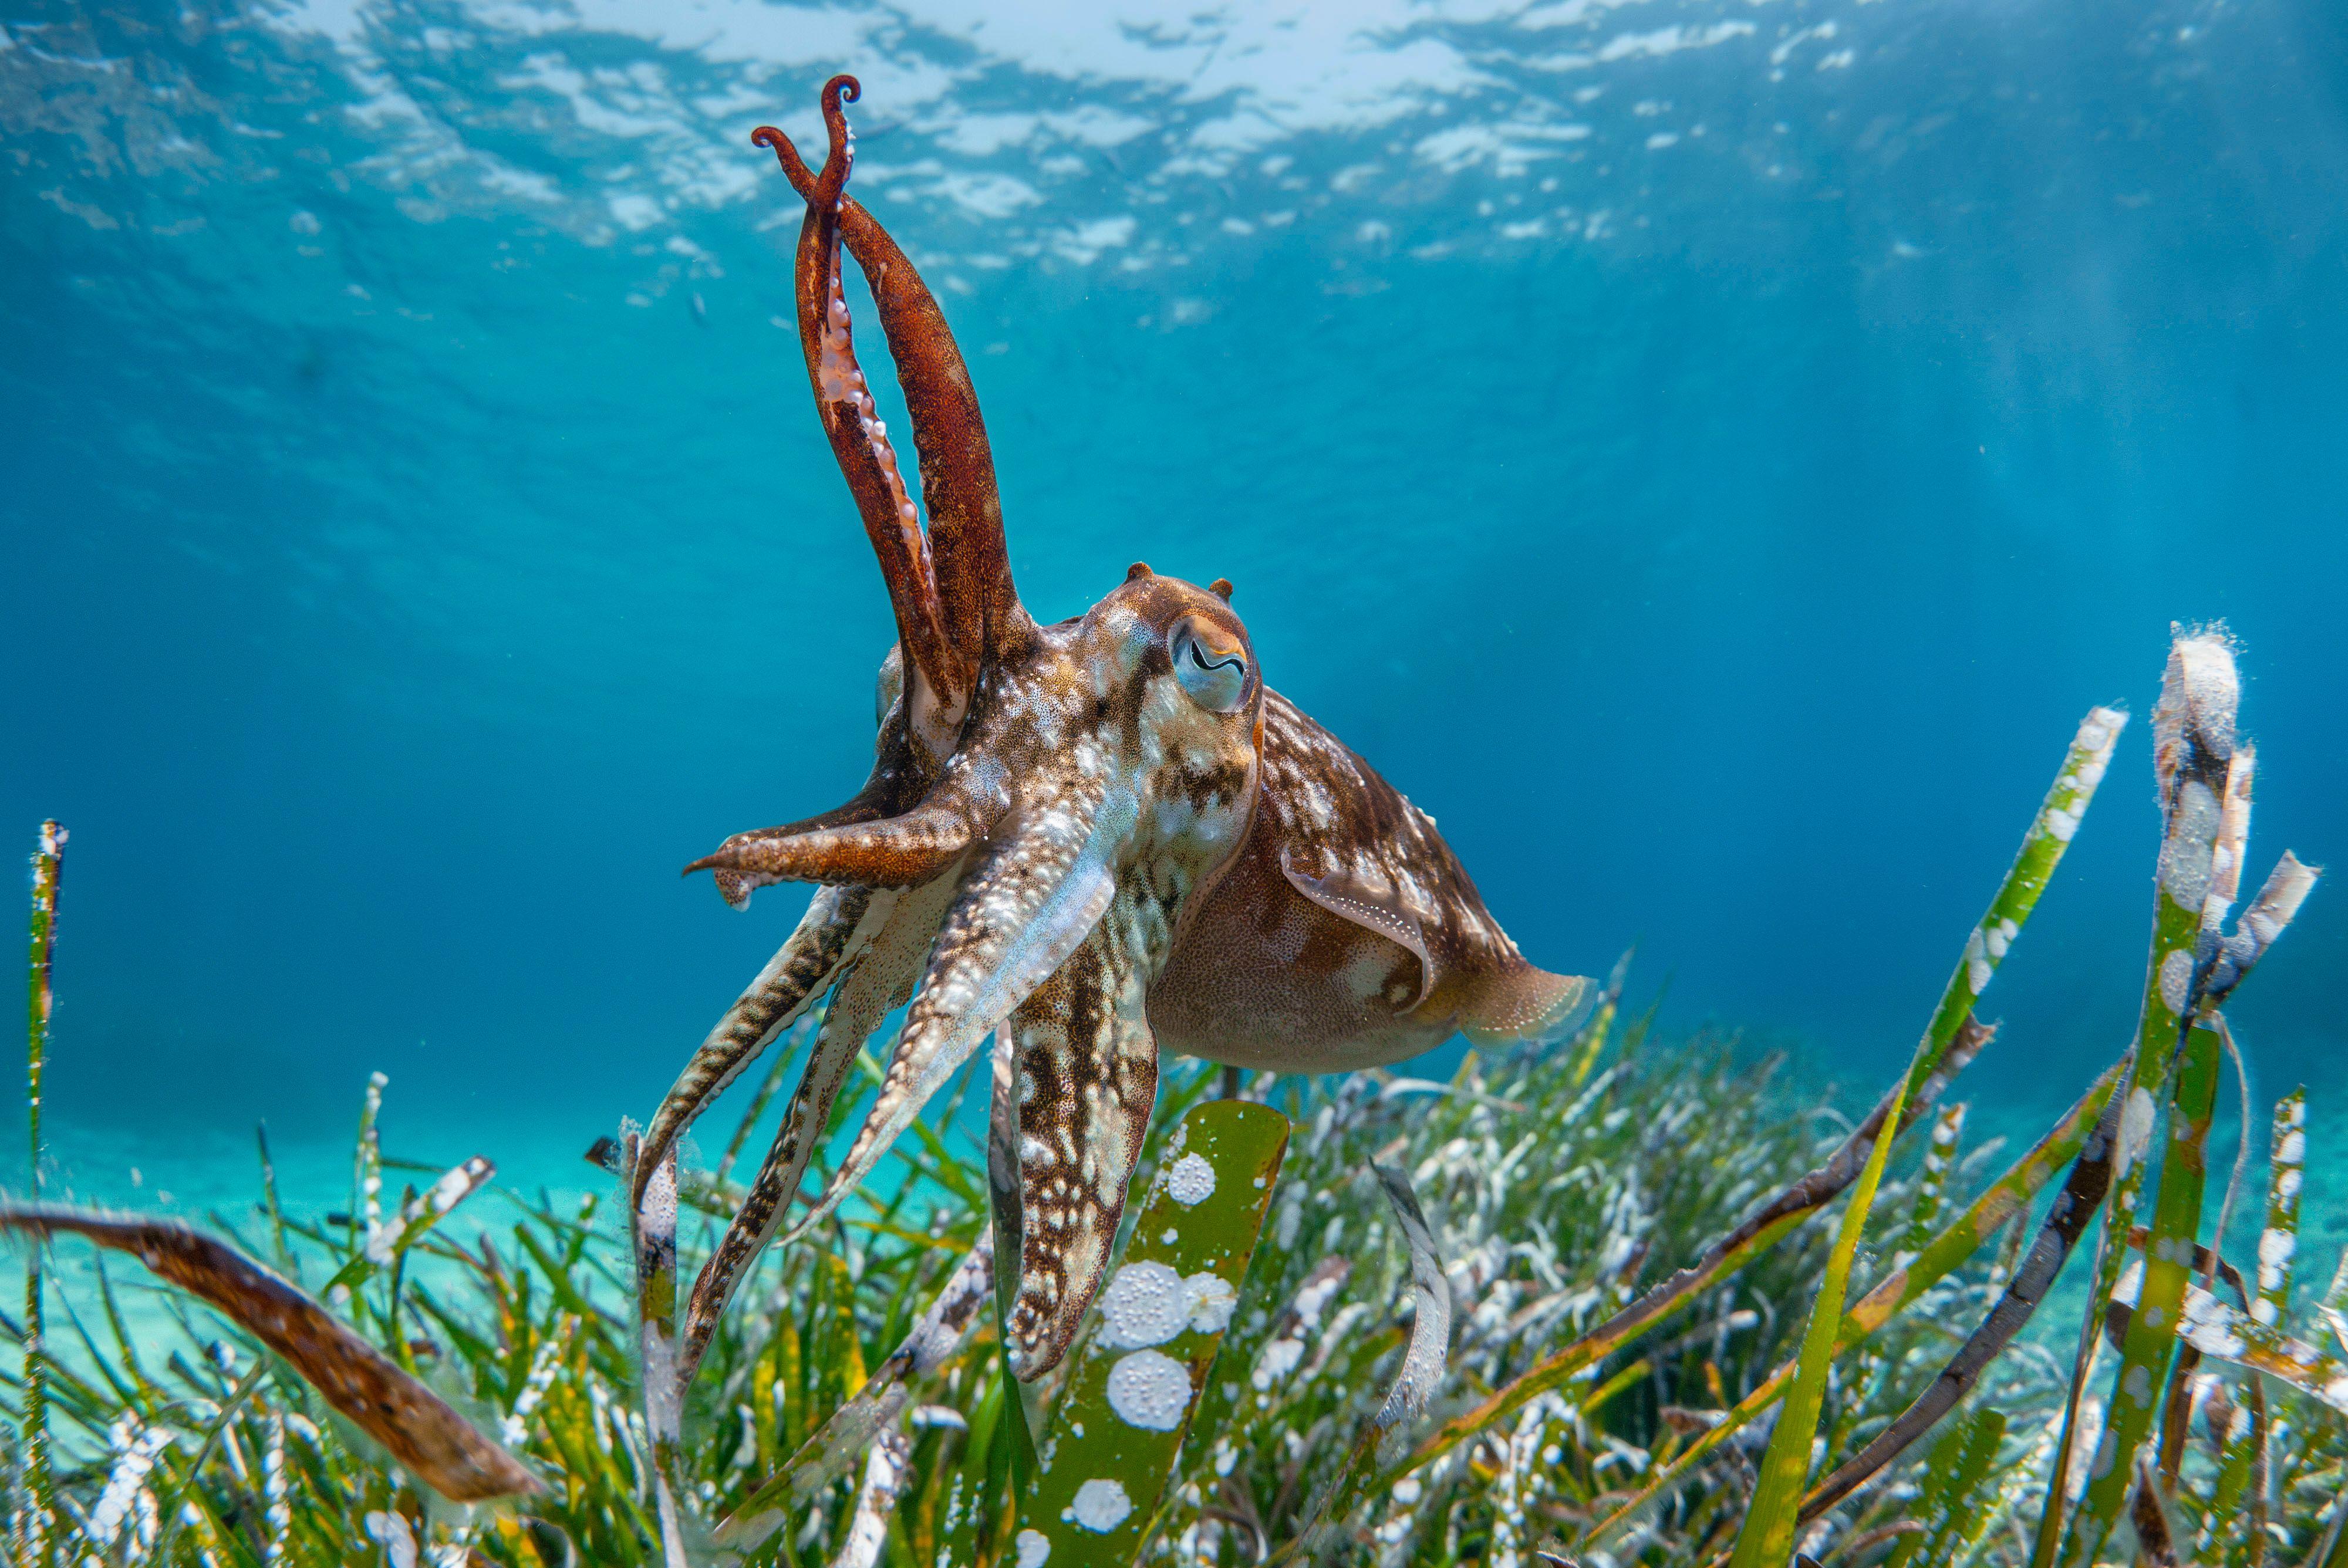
(1088, 1077)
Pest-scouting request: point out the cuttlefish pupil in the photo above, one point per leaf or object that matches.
(1093, 842)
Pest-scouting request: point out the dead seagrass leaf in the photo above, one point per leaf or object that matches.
(419, 1427)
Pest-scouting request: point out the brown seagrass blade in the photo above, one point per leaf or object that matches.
(419, 1427)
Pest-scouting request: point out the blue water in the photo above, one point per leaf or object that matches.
(1708, 453)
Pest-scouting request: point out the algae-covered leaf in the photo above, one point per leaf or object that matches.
(1136, 1379)
(2146, 1347)
(2193, 753)
(2279, 1242)
(1768, 1533)
(415, 1424)
(40, 1512)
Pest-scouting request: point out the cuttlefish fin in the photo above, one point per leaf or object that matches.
(1524, 1003)
(1371, 906)
(1087, 1078)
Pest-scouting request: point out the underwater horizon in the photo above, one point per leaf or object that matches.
(1707, 454)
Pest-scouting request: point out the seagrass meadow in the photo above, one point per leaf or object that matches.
(1615, 1299)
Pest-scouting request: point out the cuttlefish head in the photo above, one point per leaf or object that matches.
(1141, 718)
(1045, 804)
(1151, 704)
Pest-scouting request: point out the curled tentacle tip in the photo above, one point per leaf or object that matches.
(785, 153)
(840, 142)
(732, 886)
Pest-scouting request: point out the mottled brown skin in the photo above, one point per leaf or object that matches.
(1266, 975)
(1097, 841)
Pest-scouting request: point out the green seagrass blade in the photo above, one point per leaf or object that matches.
(1151, 1339)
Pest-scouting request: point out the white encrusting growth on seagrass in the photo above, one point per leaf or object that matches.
(1100, 1506)
(422, 1212)
(136, 1447)
(1282, 1353)
(2278, 1243)
(1148, 1303)
(1190, 1180)
(876, 1500)
(1150, 1390)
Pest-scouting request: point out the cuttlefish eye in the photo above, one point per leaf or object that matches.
(1210, 663)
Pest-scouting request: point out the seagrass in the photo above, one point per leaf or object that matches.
(1564, 1285)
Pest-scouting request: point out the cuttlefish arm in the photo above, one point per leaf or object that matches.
(895, 852)
(1085, 1079)
(878, 979)
(940, 676)
(1019, 914)
(950, 587)
(1010, 923)
(992, 935)
(838, 922)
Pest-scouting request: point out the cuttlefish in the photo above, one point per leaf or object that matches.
(1096, 841)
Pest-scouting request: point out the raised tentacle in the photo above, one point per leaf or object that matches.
(1040, 888)
(958, 488)
(1087, 1076)
(837, 922)
(897, 852)
(880, 979)
(942, 681)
